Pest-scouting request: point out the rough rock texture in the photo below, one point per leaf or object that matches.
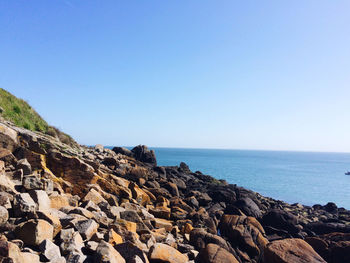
(215, 254)
(291, 251)
(61, 203)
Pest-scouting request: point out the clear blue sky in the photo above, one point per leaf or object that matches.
(209, 74)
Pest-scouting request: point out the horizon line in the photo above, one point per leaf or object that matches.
(233, 149)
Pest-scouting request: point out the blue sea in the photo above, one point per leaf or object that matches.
(295, 177)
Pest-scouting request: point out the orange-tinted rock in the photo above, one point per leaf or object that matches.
(139, 195)
(130, 226)
(58, 201)
(215, 254)
(291, 250)
(52, 218)
(114, 238)
(162, 223)
(166, 254)
(94, 196)
(246, 232)
(187, 228)
(33, 232)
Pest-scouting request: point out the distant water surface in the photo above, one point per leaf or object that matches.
(305, 177)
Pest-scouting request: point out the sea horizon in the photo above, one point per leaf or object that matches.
(291, 176)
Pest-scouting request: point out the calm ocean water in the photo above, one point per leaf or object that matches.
(304, 177)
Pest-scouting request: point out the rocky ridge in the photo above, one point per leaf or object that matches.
(61, 203)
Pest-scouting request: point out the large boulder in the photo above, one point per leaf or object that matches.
(291, 250)
(321, 228)
(123, 151)
(244, 232)
(280, 220)
(143, 154)
(248, 207)
(333, 247)
(33, 232)
(166, 254)
(199, 238)
(216, 254)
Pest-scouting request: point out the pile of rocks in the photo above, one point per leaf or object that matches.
(92, 204)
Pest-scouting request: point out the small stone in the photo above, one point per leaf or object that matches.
(99, 148)
(51, 217)
(105, 253)
(25, 166)
(33, 232)
(130, 226)
(4, 215)
(87, 228)
(130, 252)
(115, 211)
(162, 223)
(32, 182)
(23, 203)
(47, 185)
(5, 200)
(71, 241)
(58, 201)
(42, 200)
(50, 250)
(113, 238)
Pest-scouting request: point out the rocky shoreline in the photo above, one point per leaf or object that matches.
(61, 203)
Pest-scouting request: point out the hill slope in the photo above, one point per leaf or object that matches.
(23, 115)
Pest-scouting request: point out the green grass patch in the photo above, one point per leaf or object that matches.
(23, 115)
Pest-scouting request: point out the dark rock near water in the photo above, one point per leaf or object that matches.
(143, 154)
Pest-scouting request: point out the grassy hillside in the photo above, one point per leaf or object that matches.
(23, 115)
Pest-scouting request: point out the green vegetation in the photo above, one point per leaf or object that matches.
(23, 115)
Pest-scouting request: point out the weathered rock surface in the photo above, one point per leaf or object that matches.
(61, 203)
(167, 254)
(216, 254)
(291, 251)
